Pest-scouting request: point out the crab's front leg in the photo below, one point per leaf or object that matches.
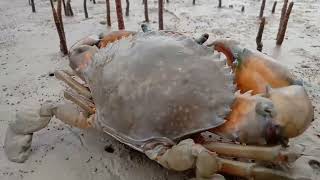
(187, 155)
(19, 133)
(183, 156)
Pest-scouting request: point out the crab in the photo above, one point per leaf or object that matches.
(167, 95)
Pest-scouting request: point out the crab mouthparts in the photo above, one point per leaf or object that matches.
(274, 135)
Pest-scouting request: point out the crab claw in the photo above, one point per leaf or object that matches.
(269, 118)
(294, 110)
(253, 69)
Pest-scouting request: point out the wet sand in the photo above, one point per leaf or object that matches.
(29, 52)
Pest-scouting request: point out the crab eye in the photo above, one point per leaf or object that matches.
(265, 108)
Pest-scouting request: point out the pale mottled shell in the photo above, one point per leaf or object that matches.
(158, 84)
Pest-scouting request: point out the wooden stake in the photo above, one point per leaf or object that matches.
(119, 14)
(220, 4)
(94, 1)
(33, 6)
(60, 15)
(127, 7)
(108, 12)
(274, 7)
(284, 24)
(263, 4)
(242, 9)
(283, 12)
(69, 8)
(259, 35)
(146, 14)
(160, 7)
(85, 9)
(64, 7)
(194, 2)
(63, 44)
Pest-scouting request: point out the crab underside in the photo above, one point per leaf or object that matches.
(162, 93)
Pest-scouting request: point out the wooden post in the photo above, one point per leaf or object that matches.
(242, 8)
(274, 7)
(284, 24)
(283, 12)
(127, 7)
(146, 14)
(85, 9)
(33, 6)
(108, 12)
(160, 14)
(259, 35)
(64, 7)
(60, 16)
(69, 8)
(63, 44)
(119, 14)
(94, 1)
(263, 4)
(220, 4)
(194, 2)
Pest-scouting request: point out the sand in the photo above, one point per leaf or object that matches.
(29, 52)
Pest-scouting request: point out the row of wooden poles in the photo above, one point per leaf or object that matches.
(285, 14)
(284, 18)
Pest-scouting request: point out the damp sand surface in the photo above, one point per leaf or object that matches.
(29, 53)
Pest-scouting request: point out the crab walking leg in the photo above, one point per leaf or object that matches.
(73, 83)
(70, 114)
(84, 103)
(251, 170)
(276, 154)
(19, 133)
(186, 155)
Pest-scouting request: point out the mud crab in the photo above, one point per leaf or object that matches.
(162, 93)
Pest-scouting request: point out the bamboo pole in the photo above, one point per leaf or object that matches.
(259, 35)
(274, 7)
(146, 13)
(284, 24)
(85, 9)
(63, 44)
(127, 7)
(119, 14)
(283, 12)
(263, 4)
(160, 14)
(33, 6)
(108, 12)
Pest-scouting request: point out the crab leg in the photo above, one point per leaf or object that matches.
(251, 170)
(274, 154)
(73, 84)
(84, 103)
(19, 134)
(187, 155)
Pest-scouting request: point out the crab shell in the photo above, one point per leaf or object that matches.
(158, 85)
